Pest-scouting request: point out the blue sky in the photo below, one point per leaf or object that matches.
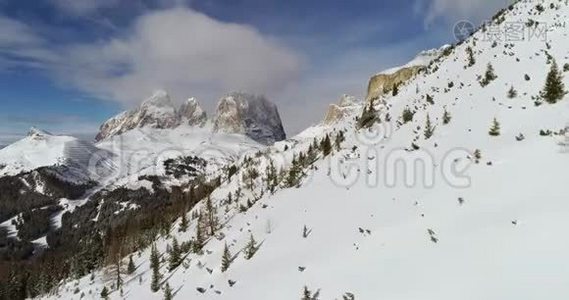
(68, 65)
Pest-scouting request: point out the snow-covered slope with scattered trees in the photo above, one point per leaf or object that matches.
(452, 189)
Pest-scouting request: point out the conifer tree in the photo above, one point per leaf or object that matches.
(118, 273)
(175, 255)
(326, 146)
(294, 174)
(131, 267)
(446, 117)
(155, 266)
(339, 140)
(512, 93)
(407, 115)
(225, 259)
(199, 240)
(395, 90)
(168, 292)
(429, 129)
(495, 129)
(554, 89)
(183, 222)
(211, 214)
(306, 294)
(272, 177)
(470, 53)
(251, 248)
(105, 293)
(489, 76)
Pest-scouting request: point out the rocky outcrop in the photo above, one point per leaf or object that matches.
(381, 84)
(385, 81)
(241, 113)
(251, 115)
(155, 112)
(192, 114)
(337, 112)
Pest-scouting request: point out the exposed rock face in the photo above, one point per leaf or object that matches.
(192, 114)
(155, 112)
(337, 112)
(251, 115)
(384, 82)
(242, 113)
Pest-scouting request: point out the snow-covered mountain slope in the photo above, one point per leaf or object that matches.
(423, 59)
(403, 209)
(41, 149)
(142, 151)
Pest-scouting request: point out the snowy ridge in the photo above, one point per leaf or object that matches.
(424, 58)
(40, 149)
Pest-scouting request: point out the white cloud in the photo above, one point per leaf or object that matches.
(185, 52)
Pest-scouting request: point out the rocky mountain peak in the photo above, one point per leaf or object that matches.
(191, 113)
(154, 112)
(35, 132)
(242, 113)
(252, 115)
(159, 98)
(337, 112)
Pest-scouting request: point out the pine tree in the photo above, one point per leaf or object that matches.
(155, 266)
(294, 173)
(118, 273)
(306, 294)
(489, 76)
(429, 129)
(251, 248)
(339, 140)
(131, 267)
(326, 146)
(105, 293)
(226, 259)
(183, 222)
(407, 115)
(168, 292)
(512, 93)
(211, 213)
(369, 117)
(395, 90)
(495, 129)
(272, 177)
(175, 255)
(554, 89)
(470, 53)
(446, 117)
(199, 240)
